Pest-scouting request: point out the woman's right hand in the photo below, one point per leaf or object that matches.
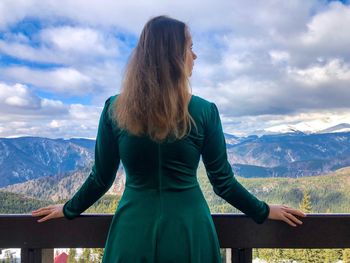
(49, 212)
(286, 214)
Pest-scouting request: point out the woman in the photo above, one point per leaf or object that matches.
(160, 131)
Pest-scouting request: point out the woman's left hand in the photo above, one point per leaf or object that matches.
(286, 214)
(49, 212)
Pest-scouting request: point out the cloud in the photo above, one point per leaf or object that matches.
(25, 114)
(63, 45)
(22, 113)
(282, 91)
(82, 61)
(328, 30)
(325, 37)
(99, 80)
(276, 71)
(263, 63)
(279, 57)
(79, 40)
(306, 122)
(249, 16)
(81, 121)
(17, 99)
(14, 11)
(316, 75)
(60, 80)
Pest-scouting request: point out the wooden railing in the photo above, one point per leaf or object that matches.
(236, 232)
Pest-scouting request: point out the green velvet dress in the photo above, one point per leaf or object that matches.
(162, 215)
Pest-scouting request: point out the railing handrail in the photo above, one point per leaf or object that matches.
(234, 231)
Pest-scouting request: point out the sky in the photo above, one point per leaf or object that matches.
(268, 65)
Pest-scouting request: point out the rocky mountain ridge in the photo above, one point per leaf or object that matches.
(282, 155)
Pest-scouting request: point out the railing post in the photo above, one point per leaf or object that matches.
(241, 255)
(30, 255)
(36, 255)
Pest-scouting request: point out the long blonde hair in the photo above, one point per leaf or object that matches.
(155, 91)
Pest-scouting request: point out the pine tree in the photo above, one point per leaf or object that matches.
(113, 205)
(346, 255)
(86, 256)
(305, 204)
(331, 255)
(98, 254)
(71, 255)
(307, 255)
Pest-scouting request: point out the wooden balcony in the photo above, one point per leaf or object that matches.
(236, 232)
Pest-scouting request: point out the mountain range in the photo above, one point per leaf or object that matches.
(55, 188)
(27, 158)
(278, 155)
(290, 155)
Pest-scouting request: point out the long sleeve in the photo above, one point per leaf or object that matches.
(103, 171)
(220, 173)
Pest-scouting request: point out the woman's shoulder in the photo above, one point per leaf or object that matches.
(108, 110)
(200, 104)
(200, 100)
(202, 110)
(111, 99)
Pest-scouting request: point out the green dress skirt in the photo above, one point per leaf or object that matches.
(162, 215)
